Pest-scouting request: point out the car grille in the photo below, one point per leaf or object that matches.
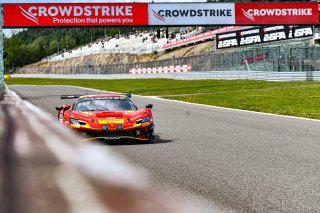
(131, 133)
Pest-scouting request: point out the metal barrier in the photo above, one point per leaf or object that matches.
(2, 84)
(45, 168)
(254, 75)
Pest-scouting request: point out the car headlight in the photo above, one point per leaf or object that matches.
(75, 121)
(143, 120)
(146, 119)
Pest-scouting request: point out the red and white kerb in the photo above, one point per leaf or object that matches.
(158, 70)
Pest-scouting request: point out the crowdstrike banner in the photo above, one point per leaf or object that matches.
(277, 13)
(143, 14)
(74, 14)
(191, 14)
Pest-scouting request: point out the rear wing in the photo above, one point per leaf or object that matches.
(70, 96)
(77, 96)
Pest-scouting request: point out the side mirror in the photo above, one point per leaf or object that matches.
(65, 107)
(149, 106)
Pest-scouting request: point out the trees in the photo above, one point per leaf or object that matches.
(34, 44)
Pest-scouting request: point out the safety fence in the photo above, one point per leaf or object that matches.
(229, 75)
(284, 56)
(2, 87)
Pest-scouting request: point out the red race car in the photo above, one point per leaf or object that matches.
(107, 116)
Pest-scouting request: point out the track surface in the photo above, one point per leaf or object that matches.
(234, 160)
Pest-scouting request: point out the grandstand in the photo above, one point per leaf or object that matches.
(139, 43)
(135, 43)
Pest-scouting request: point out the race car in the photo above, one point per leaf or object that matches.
(107, 116)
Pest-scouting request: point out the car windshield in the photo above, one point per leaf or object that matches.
(104, 104)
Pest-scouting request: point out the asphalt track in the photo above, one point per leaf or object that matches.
(235, 161)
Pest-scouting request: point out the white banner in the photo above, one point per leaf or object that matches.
(191, 14)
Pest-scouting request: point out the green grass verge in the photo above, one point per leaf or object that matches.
(287, 98)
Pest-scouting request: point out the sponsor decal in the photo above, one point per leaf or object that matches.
(112, 121)
(104, 127)
(262, 35)
(227, 40)
(193, 13)
(74, 14)
(158, 16)
(277, 13)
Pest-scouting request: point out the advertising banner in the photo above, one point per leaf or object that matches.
(35, 15)
(64, 1)
(261, 35)
(191, 14)
(276, 13)
(199, 37)
(256, 58)
(66, 14)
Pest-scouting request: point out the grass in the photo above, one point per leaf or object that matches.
(287, 98)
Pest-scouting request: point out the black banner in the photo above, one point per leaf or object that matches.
(259, 35)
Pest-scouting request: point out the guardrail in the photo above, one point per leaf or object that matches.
(254, 75)
(2, 87)
(45, 168)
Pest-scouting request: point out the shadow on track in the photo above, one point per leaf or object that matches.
(156, 140)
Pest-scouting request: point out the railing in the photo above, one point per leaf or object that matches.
(254, 75)
(2, 84)
(45, 168)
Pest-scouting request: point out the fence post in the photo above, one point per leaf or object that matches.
(315, 57)
(2, 87)
(264, 60)
(300, 62)
(286, 60)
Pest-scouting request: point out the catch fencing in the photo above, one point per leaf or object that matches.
(284, 58)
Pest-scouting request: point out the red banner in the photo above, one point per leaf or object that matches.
(36, 15)
(198, 37)
(276, 13)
